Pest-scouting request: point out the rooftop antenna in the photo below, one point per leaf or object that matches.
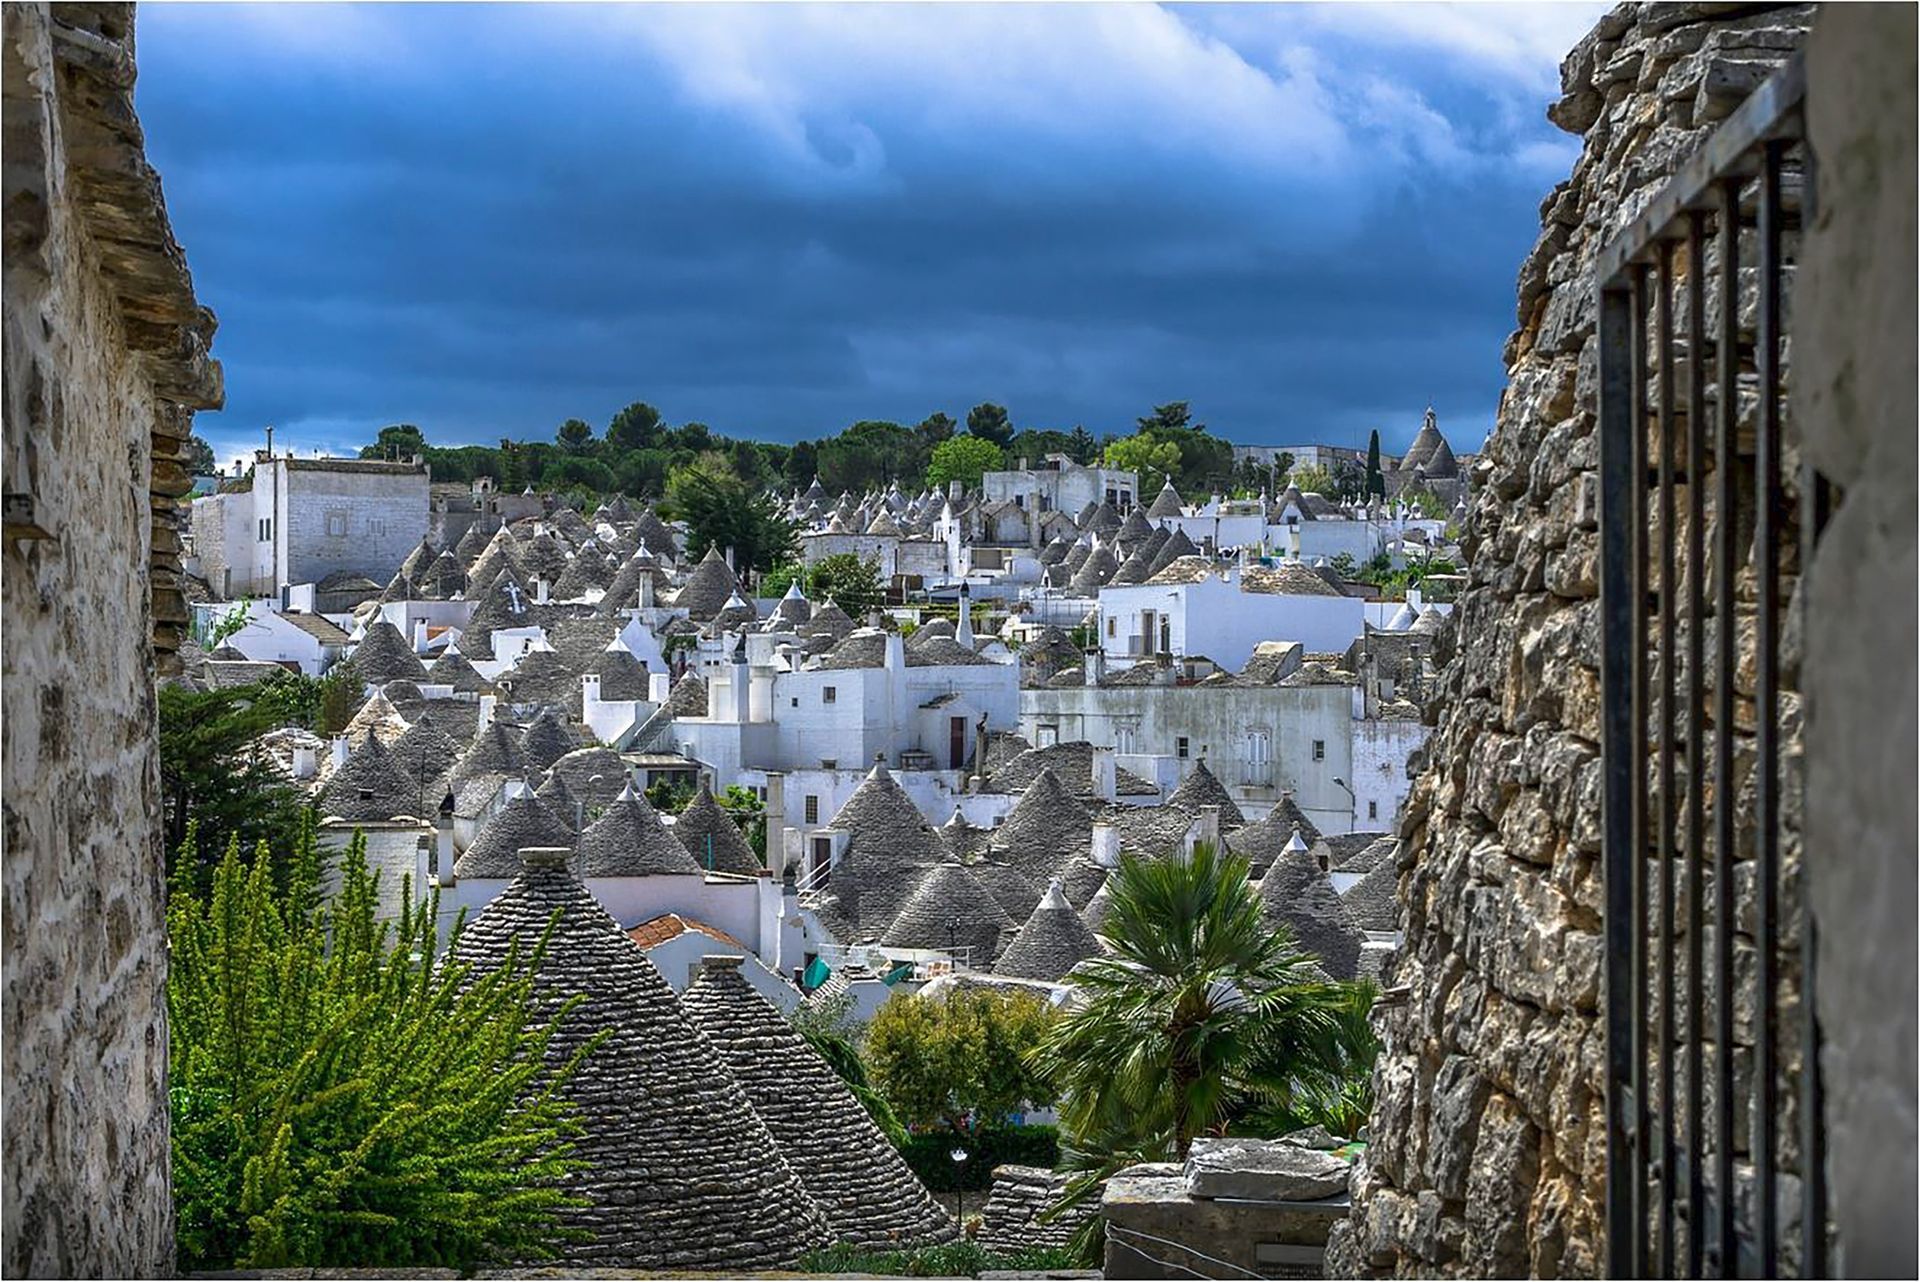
(269, 440)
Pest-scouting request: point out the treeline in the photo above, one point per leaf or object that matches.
(638, 454)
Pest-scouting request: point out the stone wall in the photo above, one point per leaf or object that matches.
(1018, 1198)
(105, 354)
(1488, 1152)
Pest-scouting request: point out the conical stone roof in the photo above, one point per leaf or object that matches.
(1098, 568)
(1104, 520)
(870, 1197)
(452, 669)
(951, 908)
(544, 741)
(712, 837)
(1046, 827)
(706, 592)
(1176, 546)
(1262, 841)
(369, 787)
(559, 799)
(522, 823)
(443, 580)
(681, 1172)
(628, 840)
(471, 545)
(501, 556)
(1166, 503)
(888, 845)
(655, 535)
(596, 775)
(494, 752)
(383, 655)
(506, 603)
(688, 697)
(1053, 941)
(1015, 892)
(1201, 788)
(1135, 529)
(1373, 902)
(425, 755)
(1296, 894)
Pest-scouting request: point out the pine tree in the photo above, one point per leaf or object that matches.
(1376, 483)
(340, 1099)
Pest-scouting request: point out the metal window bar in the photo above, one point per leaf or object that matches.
(1684, 1197)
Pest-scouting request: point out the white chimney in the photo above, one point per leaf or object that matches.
(896, 651)
(487, 702)
(305, 762)
(443, 848)
(963, 631)
(540, 590)
(419, 636)
(1106, 844)
(729, 556)
(1208, 827)
(776, 824)
(1105, 775)
(339, 751)
(659, 686)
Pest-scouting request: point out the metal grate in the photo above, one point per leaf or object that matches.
(1696, 537)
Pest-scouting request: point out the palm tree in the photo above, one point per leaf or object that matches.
(1203, 1015)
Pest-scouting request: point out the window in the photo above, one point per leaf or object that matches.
(1180, 747)
(1110, 624)
(1373, 810)
(1257, 766)
(828, 694)
(827, 763)
(1123, 739)
(813, 809)
(1046, 736)
(376, 526)
(337, 524)
(266, 529)
(796, 700)
(1319, 749)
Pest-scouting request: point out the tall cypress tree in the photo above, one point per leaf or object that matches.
(1376, 483)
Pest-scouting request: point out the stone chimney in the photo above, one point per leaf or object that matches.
(1106, 775)
(1207, 828)
(305, 761)
(896, 651)
(487, 704)
(659, 686)
(646, 590)
(1093, 666)
(540, 591)
(442, 868)
(776, 823)
(339, 751)
(1106, 844)
(419, 636)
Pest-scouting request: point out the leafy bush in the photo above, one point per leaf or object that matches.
(214, 778)
(930, 1154)
(340, 1100)
(954, 1259)
(962, 1063)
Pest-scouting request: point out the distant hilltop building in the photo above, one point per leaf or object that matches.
(299, 520)
(1429, 458)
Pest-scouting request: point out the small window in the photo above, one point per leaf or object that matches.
(796, 700)
(813, 809)
(337, 524)
(829, 763)
(1373, 810)
(829, 694)
(376, 526)
(1319, 749)
(1123, 739)
(1110, 625)
(266, 529)
(1180, 747)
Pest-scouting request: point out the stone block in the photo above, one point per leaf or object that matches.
(1269, 1170)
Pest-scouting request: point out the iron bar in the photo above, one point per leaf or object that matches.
(1766, 699)
(1637, 747)
(1726, 533)
(1696, 737)
(1816, 502)
(1663, 835)
(1616, 730)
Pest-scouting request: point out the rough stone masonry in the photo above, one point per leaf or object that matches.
(106, 358)
(1487, 1153)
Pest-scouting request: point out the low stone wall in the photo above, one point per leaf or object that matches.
(1020, 1195)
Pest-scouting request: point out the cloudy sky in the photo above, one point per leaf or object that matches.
(1305, 220)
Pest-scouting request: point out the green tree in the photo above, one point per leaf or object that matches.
(637, 427)
(397, 440)
(963, 459)
(849, 582)
(1152, 459)
(337, 1097)
(935, 428)
(200, 460)
(962, 1063)
(721, 510)
(749, 813)
(574, 435)
(1174, 416)
(803, 463)
(1201, 1013)
(1081, 447)
(1376, 483)
(214, 774)
(990, 422)
(870, 454)
(1313, 480)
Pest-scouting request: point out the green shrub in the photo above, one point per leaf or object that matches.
(930, 1154)
(340, 1100)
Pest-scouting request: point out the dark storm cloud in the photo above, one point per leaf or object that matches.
(485, 220)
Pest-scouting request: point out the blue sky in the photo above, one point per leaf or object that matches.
(1306, 220)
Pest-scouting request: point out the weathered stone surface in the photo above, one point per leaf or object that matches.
(1486, 1148)
(1269, 1169)
(105, 350)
